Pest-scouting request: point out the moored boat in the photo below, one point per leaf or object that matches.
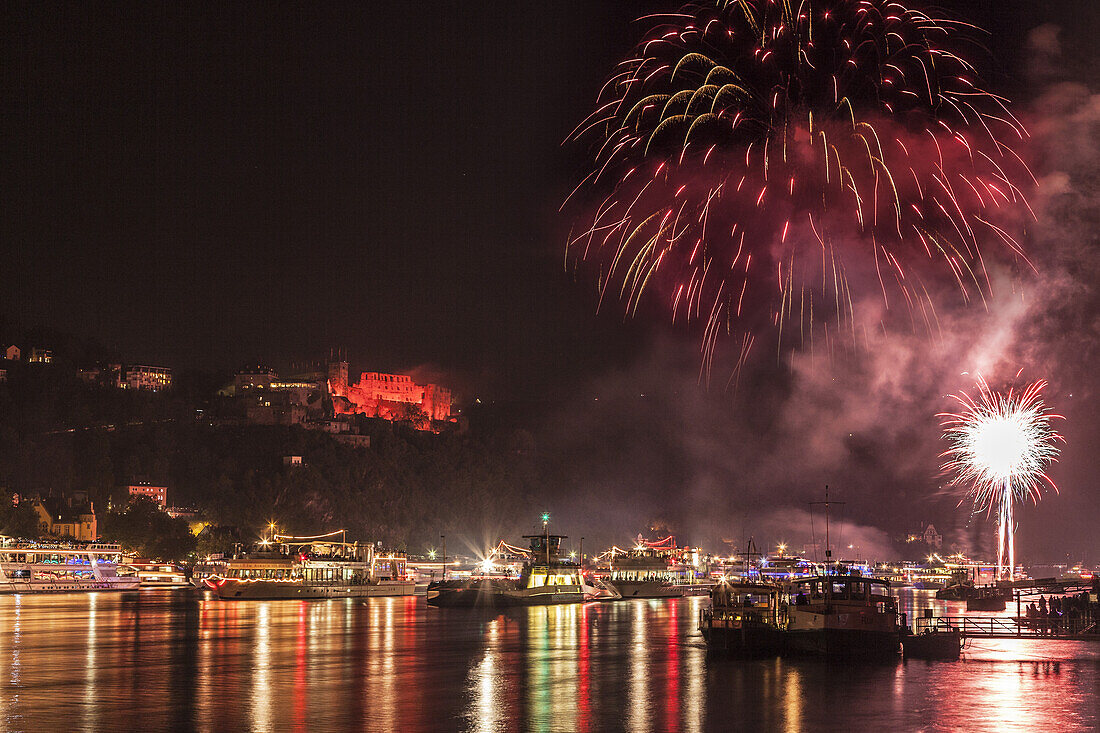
(155, 575)
(546, 579)
(843, 616)
(746, 619)
(988, 598)
(931, 638)
(932, 644)
(34, 567)
(311, 568)
(955, 592)
(655, 570)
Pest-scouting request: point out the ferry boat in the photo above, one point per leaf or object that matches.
(546, 579)
(746, 618)
(54, 568)
(842, 615)
(655, 570)
(311, 567)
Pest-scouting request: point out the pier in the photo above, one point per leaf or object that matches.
(1082, 623)
(1012, 627)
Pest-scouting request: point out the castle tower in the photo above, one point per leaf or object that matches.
(337, 373)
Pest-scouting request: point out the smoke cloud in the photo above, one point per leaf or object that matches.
(651, 447)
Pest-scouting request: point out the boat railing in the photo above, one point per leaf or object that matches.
(60, 548)
(736, 617)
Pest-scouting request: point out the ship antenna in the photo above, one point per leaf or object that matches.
(828, 550)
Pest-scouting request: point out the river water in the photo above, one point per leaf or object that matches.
(178, 660)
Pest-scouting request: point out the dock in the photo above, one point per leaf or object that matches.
(1081, 624)
(1012, 627)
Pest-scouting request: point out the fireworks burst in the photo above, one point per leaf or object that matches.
(1000, 446)
(754, 157)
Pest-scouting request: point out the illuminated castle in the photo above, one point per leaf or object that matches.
(388, 396)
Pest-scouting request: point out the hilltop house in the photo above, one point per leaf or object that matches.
(63, 521)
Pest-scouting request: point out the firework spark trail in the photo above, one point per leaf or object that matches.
(1000, 446)
(820, 140)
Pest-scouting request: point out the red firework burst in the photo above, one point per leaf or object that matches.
(754, 157)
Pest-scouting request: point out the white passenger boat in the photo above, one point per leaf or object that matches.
(32, 567)
(155, 575)
(656, 570)
(292, 567)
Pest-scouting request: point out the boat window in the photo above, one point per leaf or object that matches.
(840, 591)
(859, 591)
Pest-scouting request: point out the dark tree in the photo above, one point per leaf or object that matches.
(143, 528)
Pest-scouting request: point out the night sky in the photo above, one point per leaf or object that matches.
(204, 186)
(266, 182)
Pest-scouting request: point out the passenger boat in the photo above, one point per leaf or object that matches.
(780, 568)
(746, 618)
(311, 567)
(842, 615)
(56, 568)
(546, 579)
(656, 570)
(155, 575)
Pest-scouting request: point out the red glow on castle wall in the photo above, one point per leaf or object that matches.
(388, 396)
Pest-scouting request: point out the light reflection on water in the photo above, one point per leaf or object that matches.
(175, 660)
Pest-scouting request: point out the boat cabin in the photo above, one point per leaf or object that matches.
(332, 563)
(850, 590)
(49, 563)
(740, 603)
(546, 566)
(541, 575)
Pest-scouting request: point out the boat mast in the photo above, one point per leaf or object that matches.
(746, 557)
(546, 535)
(828, 550)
